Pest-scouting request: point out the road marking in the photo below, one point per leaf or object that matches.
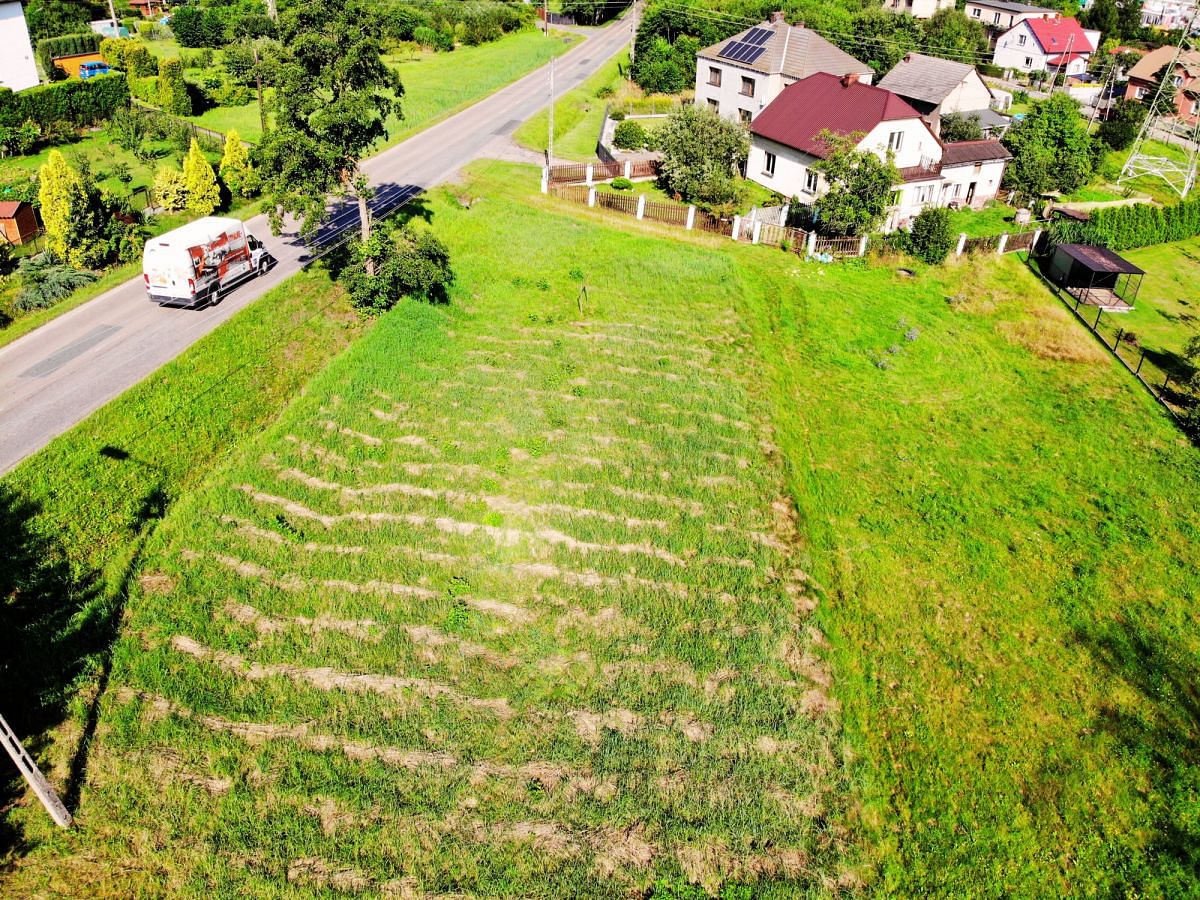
(60, 358)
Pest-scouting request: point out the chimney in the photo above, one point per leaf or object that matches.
(848, 79)
(777, 16)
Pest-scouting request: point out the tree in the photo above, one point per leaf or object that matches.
(173, 96)
(860, 185)
(881, 38)
(701, 153)
(170, 189)
(203, 195)
(394, 263)
(951, 35)
(1161, 99)
(959, 127)
(236, 171)
(1124, 121)
(63, 201)
(932, 238)
(592, 12)
(51, 18)
(1103, 16)
(666, 68)
(334, 94)
(197, 26)
(1051, 148)
(1129, 19)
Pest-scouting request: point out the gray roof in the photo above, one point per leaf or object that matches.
(925, 78)
(795, 51)
(1008, 6)
(988, 118)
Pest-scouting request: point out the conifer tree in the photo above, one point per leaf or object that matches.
(173, 94)
(63, 198)
(237, 173)
(203, 195)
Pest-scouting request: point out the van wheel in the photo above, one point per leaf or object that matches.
(262, 267)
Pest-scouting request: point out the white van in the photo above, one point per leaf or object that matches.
(197, 262)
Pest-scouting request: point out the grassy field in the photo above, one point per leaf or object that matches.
(577, 115)
(517, 616)
(510, 600)
(101, 154)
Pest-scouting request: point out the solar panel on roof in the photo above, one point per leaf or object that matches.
(757, 36)
(754, 53)
(740, 51)
(728, 50)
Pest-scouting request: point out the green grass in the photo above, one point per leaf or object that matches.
(578, 115)
(995, 525)
(611, 626)
(101, 153)
(995, 218)
(1153, 187)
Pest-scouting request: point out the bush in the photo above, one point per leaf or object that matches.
(617, 115)
(407, 262)
(932, 238)
(145, 89)
(81, 103)
(196, 26)
(1128, 227)
(19, 139)
(622, 184)
(173, 96)
(170, 189)
(629, 135)
(130, 56)
(45, 282)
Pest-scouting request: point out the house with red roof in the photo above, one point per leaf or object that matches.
(786, 143)
(1057, 44)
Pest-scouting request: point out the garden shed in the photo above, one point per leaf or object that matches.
(1094, 275)
(18, 222)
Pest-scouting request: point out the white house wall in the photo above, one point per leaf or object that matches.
(917, 143)
(1010, 53)
(970, 95)
(728, 96)
(791, 170)
(18, 71)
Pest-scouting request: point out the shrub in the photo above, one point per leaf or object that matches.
(629, 135)
(236, 171)
(170, 189)
(407, 262)
(130, 56)
(65, 45)
(617, 115)
(173, 96)
(80, 103)
(196, 26)
(932, 238)
(203, 195)
(145, 89)
(605, 91)
(19, 139)
(622, 184)
(45, 282)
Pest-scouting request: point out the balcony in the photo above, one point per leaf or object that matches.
(927, 169)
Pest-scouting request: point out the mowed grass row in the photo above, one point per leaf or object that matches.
(506, 603)
(1005, 526)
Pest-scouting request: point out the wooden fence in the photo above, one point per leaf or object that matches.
(588, 173)
(997, 243)
(626, 203)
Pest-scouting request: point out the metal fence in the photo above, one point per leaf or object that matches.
(206, 137)
(626, 203)
(671, 213)
(839, 246)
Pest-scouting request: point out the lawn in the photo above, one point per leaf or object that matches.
(578, 115)
(529, 613)
(995, 218)
(101, 154)
(519, 616)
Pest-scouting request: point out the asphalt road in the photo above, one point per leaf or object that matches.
(54, 377)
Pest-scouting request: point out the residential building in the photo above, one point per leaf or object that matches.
(786, 144)
(918, 9)
(1168, 15)
(998, 16)
(1186, 78)
(739, 77)
(18, 70)
(936, 87)
(1043, 45)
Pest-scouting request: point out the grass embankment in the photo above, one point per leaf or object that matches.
(76, 515)
(505, 604)
(1004, 525)
(578, 115)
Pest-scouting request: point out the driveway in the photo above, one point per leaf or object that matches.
(54, 377)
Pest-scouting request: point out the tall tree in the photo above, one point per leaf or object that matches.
(50, 18)
(203, 195)
(951, 35)
(334, 94)
(881, 38)
(859, 185)
(1051, 148)
(237, 173)
(63, 198)
(1103, 16)
(701, 152)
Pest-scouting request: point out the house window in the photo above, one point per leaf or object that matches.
(1020, 43)
(748, 87)
(975, 12)
(713, 104)
(769, 164)
(744, 115)
(957, 189)
(1029, 62)
(897, 198)
(895, 140)
(714, 76)
(810, 181)
(1141, 93)
(996, 18)
(1178, 80)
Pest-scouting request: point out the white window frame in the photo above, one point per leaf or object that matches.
(896, 140)
(811, 181)
(1020, 41)
(768, 164)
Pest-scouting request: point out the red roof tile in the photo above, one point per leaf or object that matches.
(1055, 34)
(9, 208)
(961, 153)
(805, 109)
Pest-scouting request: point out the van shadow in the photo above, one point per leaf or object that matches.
(1162, 729)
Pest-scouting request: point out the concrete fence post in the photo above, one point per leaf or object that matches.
(783, 213)
(737, 227)
(589, 173)
(591, 196)
(862, 246)
(1033, 244)
(628, 168)
(962, 242)
(812, 243)
(545, 179)
(754, 234)
(691, 218)
(641, 205)
(1003, 243)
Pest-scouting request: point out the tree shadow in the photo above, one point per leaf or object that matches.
(58, 623)
(1163, 729)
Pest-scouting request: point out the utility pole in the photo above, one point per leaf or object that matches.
(271, 10)
(1065, 56)
(546, 16)
(262, 109)
(33, 775)
(112, 13)
(550, 137)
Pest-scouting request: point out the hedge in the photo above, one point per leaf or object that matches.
(78, 102)
(1128, 227)
(66, 45)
